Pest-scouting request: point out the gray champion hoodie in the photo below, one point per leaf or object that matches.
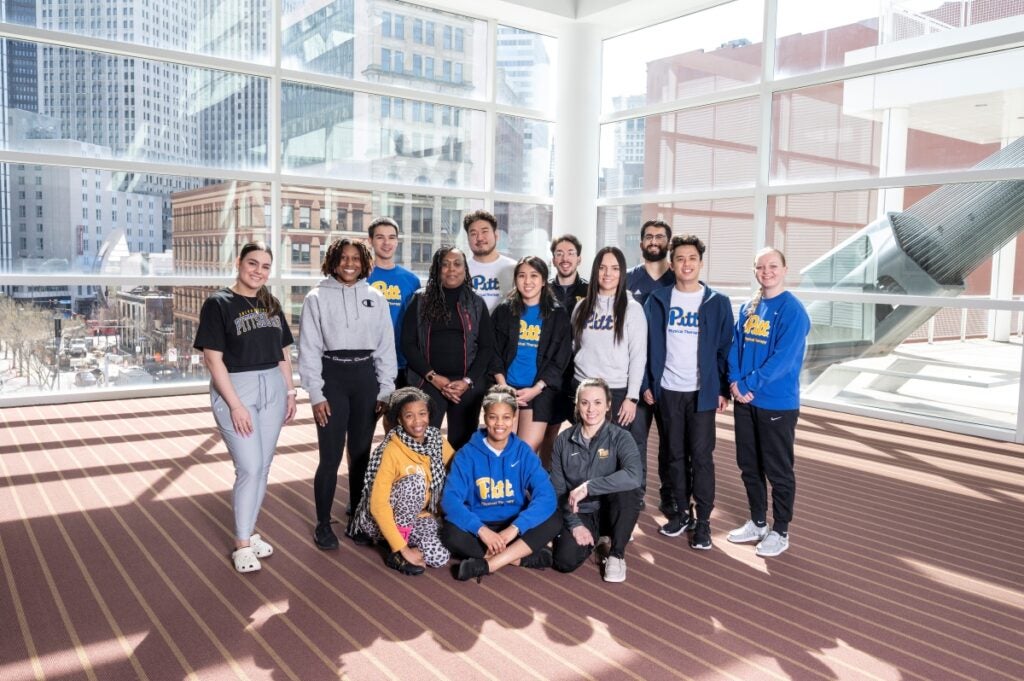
(339, 317)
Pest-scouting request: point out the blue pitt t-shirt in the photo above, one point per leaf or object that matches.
(522, 373)
(397, 285)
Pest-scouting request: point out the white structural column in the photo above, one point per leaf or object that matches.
(577, 135)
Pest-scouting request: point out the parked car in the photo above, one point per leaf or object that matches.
(133, 376)
(85, 379)
(164, 373)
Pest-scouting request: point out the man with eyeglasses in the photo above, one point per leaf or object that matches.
(653, 273)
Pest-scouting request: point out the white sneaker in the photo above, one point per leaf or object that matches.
(748, 532)
(614, 569)
(772, 545)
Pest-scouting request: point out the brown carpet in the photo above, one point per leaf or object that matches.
(115, 530)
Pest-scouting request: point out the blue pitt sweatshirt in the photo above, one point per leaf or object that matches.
(483, 487)
(768, 352)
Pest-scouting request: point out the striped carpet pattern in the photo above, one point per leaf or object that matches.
(115, 529)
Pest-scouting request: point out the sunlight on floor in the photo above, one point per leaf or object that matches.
(969, 584)
(99, 654)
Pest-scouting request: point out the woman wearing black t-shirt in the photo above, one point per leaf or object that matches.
(448, 342)
(243, 335)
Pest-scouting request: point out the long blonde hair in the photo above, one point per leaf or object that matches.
(759, 293)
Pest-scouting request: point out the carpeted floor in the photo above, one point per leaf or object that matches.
(905, 563)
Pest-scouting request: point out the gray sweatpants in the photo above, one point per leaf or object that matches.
(264, 394)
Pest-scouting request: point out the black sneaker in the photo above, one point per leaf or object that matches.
(538, 560)
(701, 538)
(324, 537)
(678, 524)
(473, 568)
(396, 561)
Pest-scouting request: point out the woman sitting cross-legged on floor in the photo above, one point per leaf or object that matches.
(403, 483)
(596, 473)
(498, 502)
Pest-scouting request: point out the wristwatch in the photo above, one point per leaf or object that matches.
(633, 400)
(468, 380)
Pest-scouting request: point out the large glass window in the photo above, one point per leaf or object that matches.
(949, 116)
(524, 159)
(709, 147)
(236, 29)
(709, 51)
(814, 36)
(526, 64)
(524, 228)
(957, 240)
(352, 38)
(943, 364)
(97, 105)
(726, 226)
(345, 134)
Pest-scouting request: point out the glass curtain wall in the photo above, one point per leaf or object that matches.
(880, 145)
(142, 143)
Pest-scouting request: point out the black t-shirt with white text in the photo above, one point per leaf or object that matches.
(240, 327)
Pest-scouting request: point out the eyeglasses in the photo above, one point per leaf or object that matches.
(654, 237)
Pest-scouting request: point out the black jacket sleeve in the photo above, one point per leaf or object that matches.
(558, 342)
(484, 348)
(501, 322)
(411, 338)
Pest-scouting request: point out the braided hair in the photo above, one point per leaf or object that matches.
(432, 304)
(759, 293)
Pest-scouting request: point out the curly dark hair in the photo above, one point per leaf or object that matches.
(686, 240)
(547, 298)
(333, 257)
(432, 305)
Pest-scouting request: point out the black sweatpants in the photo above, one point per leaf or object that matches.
(464, 545)
(691, 442)
(463, 416)
(764, 453)
(646, 414)
(351, 391)
(616, 518)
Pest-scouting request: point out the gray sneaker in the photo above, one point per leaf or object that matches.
(614, 569)
(772, 545)
(747, 533)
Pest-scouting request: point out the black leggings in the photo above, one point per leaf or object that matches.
(616, 518)
(463, 416)
(351, 392)
(462, 544)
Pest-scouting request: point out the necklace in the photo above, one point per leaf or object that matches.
(254, 303)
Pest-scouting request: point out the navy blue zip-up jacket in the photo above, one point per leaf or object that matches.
(714, 338)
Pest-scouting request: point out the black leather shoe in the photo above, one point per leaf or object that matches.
(324, 537)
(473, 568)
(396, 561)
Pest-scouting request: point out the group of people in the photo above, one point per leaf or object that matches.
(493, 337)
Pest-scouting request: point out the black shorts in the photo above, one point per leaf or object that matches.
(545, 406)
